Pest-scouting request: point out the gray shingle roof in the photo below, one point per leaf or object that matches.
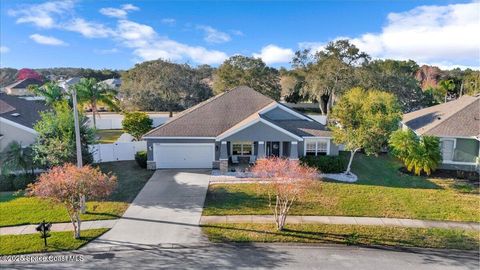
(458, 118)
(215, 115)
(303, 128)
(23, 83)
(28, 110)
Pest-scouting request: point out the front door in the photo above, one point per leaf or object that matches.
(273, 149)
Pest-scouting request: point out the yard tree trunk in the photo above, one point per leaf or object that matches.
(352, 153)
(94, 113)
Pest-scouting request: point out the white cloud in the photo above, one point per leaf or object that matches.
(47, 40)
(4, 49)
(148, 45)
(427, 34)
(168, 21)
(213, 35)
(42, 15)
(88, 29)
(237, 32)
(114, 12)
(120, 13)
(272, 54)
(130, 7)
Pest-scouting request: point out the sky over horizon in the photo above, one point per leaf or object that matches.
(119, 34)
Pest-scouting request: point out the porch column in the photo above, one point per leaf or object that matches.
(223, 157)
(293, 150)
(261, 150)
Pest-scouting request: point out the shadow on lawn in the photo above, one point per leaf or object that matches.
(354, 238)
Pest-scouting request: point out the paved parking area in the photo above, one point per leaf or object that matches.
(166, 211)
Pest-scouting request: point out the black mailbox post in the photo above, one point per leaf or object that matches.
(44, 228)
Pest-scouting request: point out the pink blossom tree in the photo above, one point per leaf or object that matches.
(285, 181)
(26, 73)
(66, 184)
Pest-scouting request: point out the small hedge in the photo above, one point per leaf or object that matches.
(326, 164)
(141, 158)
(15, 182)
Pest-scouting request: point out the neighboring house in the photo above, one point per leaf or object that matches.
(112, 83)
(65, 84)
(20, 88)
(238, 126)
(17, 118)
(457, 124)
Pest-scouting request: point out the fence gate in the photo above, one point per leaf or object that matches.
(107, 152)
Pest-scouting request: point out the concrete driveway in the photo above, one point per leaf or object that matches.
(166, 211)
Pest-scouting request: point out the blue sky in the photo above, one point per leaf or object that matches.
(118, 34)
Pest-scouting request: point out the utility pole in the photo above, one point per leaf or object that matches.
(77, 141)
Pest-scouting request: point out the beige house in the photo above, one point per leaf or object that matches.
(20, 88)
(18, 115)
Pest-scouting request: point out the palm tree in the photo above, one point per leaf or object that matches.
(445, 87)
(51, 91)
(91, 92)
(15, 157)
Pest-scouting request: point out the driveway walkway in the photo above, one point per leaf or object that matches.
(166, 211)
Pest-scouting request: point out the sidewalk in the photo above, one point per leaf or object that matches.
(372, 221)
(58, 227)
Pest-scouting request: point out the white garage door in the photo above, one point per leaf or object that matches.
(184, 155)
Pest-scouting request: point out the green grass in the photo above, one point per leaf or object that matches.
(58, 241)
(20, 210)
(108, 135)
(345, 234)
(382, 191)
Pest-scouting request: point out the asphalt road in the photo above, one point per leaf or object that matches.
(264, 257)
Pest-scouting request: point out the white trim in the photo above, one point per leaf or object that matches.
(261, 142)
(224, 142)
(458, 162)
(19, 126)
(294, 142)
(242, 143)
(453, 147)
(287, 109)
(180, 138)
(316, 140)
(257, 120)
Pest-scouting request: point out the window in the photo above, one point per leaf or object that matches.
(242, 148)
(316, 147)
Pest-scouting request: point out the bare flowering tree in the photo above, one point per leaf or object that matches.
(285, 181)
(66, 184)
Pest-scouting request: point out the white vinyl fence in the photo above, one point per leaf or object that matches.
(114, 120)
(106, 152)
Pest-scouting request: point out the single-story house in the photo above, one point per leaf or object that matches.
(18, 115)
(238, 126)
(20, 88)
(457, 124)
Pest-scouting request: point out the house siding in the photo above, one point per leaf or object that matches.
(11, 133)
(259, 132)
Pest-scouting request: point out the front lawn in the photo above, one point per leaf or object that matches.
(345, 234)
(108, 135)
(20, 210)
(58, 241)
(382, 191)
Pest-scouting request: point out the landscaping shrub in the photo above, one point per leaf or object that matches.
(6, 182)
(326, 164)
(22, 181)
(15, 182)
(141, 158)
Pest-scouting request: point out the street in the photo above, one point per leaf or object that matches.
(263, 256)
